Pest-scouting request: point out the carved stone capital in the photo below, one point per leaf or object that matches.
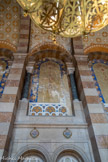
(70, 68)
(29, 69)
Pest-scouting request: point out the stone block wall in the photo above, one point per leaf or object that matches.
(9, 101)
(93, 109)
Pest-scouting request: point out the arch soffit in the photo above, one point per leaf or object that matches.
(96, 48)
(39, 148)
(7, 45)
(40, 48)
(97, 56)
(6, 53)
(65, 148)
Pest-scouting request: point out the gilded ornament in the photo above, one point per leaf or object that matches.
(68, 18)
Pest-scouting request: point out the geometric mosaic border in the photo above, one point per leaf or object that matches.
(4, 77)
(47, 109)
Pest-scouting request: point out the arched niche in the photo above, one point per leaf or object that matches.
(98, 62)
(6, 58)
(32, 155)
(71, 151)
(50, 94)
(32, 150)
(69, 156)
(55, 54)
(99, 70)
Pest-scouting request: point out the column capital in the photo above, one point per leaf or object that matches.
(29, 69)
(90, 63)
(30, 66)
(70, 68)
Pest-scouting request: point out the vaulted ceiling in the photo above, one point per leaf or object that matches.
(10, 19)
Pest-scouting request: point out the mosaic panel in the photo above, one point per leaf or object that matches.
(99, 37)
(39, 36)
(100, 75)
(47, 109)
(50, 85)
(4, 71)
(9, 21)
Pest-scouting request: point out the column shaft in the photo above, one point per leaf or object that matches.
(73, 87)
(26, 85)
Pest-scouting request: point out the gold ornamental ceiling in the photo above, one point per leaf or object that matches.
(68, 18)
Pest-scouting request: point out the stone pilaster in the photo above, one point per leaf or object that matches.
(78, 45)
(9, 100)
(93, 109)
(24, 36)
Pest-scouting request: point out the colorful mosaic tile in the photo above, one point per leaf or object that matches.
(47, 109)
(40, 36)
(4, 71)
(100, 37)
(9, 21)
(98, 87)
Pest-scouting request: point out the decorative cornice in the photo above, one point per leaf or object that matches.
(28, 125)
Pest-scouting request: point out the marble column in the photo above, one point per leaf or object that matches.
(70, 70)
(25, 92)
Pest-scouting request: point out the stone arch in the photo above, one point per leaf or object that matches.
(97, 56)
(7, 45)
(6, 59)
(37, 148)
(71, 148)
(44, 50)
(96, 48)
(6, 53)
(47, 46)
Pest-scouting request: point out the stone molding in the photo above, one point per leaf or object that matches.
(39, 148)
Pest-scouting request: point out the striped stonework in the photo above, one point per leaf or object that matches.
(24, 34)
(9, 100)
(78, 45)
(93, 109)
